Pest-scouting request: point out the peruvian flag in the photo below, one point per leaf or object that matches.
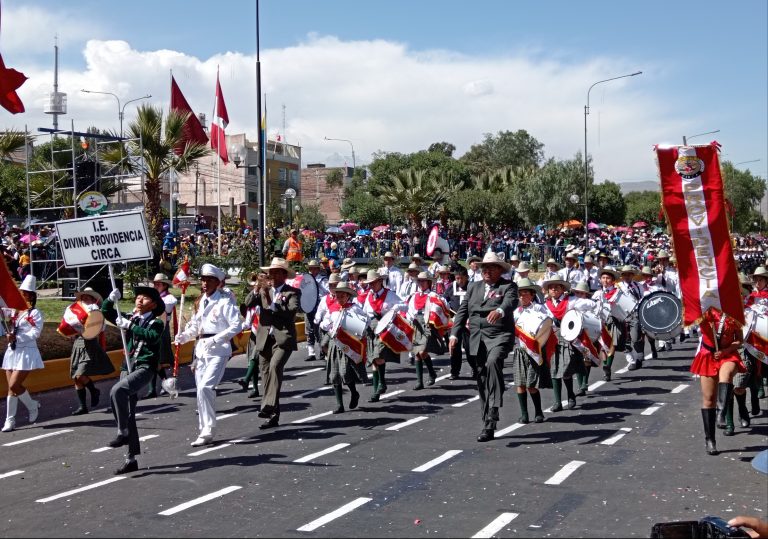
(193, 129)
(181, 277)
(219, 124)
(73, 321)
(398, 337)
(439, 314)
(696, 209)
(587, 347)
(10, 296)
(529, 342)
(606, 340)
(353, 348)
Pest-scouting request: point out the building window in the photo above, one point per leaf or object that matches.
(282, 177)
(253, 197)
(293, 176)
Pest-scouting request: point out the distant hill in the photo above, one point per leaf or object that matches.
(630, 187)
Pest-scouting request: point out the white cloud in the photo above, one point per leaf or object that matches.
(378, 94)
(26, 29)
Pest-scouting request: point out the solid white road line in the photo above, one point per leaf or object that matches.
(34, 438)
(650, 410)
(312, 392)
(142, 439)
(434, 462)
(564, 472)
(151, 411)
(198, 501)
(623, 370)
(10, 474)
(391, 394)
(302, 373)
(312, 417)
(333, 515)
(407, 423)
(507, 430)
(679, 388)
(81, 489)
(321, 453)
(495, 526)
(464, 403)
(443, 377)
(616, 437)
(596, 385)
(563, 403)
(208, 450)
(225, 416)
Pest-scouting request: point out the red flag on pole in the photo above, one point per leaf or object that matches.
(219, 124)
(9, 292)
(193, 129)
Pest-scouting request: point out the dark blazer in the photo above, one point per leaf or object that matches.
(282, 320)
(143, 340)
(475, 309)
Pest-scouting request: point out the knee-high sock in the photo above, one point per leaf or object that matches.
(252, 372)
(12, 403)
(419, 371)
(522, 398)
(337, 391)
(580, 381)
(557, 388)
(382, 381)
(568, 383)
(376, 377)
(81, 398)
(430, 368)
(26, 400)
(536, 398)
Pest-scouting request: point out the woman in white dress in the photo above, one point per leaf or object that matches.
(22, 354)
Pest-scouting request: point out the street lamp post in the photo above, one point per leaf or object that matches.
(354, 165)
(290, 194)
(586, 160)
(685, 138)
(120, 110)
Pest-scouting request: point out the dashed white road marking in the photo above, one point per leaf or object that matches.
(10, 474)
(563, 403)
(208, 450)
(434, 462)
(198, 501)
(313, 456)
(616, 437)
(312, 417)
(391, 394)
(81, 489)
(464, 403)
(407, 423)
(333, 515)
(312, 392)
(564, 472)
(679, 388)
(225, 416)
(142, 439)
(651, 409)
(507, 430)
(623, 370)
(596, 385)
(35, 438)
(443, 377)
(495, 526)
(309, 371)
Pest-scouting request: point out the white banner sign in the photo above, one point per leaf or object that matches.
(104, 239)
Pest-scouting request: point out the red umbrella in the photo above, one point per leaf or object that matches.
(346, 227)
(640, 224)
(381, 228)
(27, 238)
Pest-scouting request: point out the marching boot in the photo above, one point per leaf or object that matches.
(568, 382)
(355, 398)
(754, 396)
(741, 400)
(539, 415)
(522, 398)
(12, 403)
(95, 393)
(419, 375)
(339, 402)
(431, 370)
(32, 405)
(83, 408)
(382, 379)
(709, 416)
(557, 388)
(729, 418)
(580, 379)
(607, 368)
(724, 395)
(375, 396)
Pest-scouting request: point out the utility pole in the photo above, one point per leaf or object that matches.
(197, 179)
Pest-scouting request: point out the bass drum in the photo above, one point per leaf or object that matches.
(309, 291)
(661, 315)
(576, 322)
(535, 324)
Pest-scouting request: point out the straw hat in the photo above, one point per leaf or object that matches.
(571, 254)
(552, 282)
(334, 245)
(29, 284)
(88, 291)
(514, 258)
(646, 270)
(347, 263)
(473, 258)
(582, 287)
(416, 256)
(662, 254)
(610, 270)
(493, 259)
(344, 287)
(553, 262)
(413, 267)
(334, 278)
(761, 271)
(523, 267)
(280, 263)
(313, 264)
(389, 254)
(629, 269)
(162, 278)
(444, 269)
(354, 270)
(527, 284)
(372, 276)
(589, 260)
(424, 276)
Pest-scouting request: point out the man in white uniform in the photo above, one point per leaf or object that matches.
(393, 274)
(215, 323)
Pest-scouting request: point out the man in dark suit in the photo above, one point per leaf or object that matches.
(276, 336)
(488, 308)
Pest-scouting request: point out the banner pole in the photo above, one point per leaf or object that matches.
(117, 309)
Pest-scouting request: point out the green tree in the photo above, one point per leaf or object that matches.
(744, 191)
(542, 196)
(445, 148)
(606, 204)
(13, 190)
(506, 148)
(310, 217)
(334, 178)
(643, 206)
(275, 214)
(413, 195)
(434, 164)
(11, 141)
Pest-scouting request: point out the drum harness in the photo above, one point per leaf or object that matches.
(718, 335)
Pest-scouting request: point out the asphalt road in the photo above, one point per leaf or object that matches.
(631, 454)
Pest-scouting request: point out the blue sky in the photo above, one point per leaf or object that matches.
(398, 75)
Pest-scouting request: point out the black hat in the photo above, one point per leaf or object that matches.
(152, 294)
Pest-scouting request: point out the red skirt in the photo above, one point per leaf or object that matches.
(705, 364)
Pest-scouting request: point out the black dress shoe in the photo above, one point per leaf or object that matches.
(571, 404)
(243, 383)
(431, 381)
(538, 419)
(485, 436)
(374, 398)
(339, 410)
(127, 467)
(271, 422)
(418, 387)
(744, 422)
(266, 411)
(453, 377)
(95, 394)
(253, 394)
(557, 407)
(582, 392)
(118, 441)
(353, 400)
(80, 411)
(607, 374)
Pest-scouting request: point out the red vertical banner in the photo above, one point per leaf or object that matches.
(696, 209)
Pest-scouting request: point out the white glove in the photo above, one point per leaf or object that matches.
(122, 322)
(180, 339)
(115, 295)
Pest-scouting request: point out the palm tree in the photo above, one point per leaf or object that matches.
(161, 148)
(412, 194)
(10, 141)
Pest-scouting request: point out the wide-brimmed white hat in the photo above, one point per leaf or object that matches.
(88, 291)
(162, 278)
(347, 263)
(523, 267)
(209, 270)
(388, 254)
(582, 286)
(552, 282)
(413, 266)
(344, 287)
(279, 263)
(526, 284)
(372, 276)
(424, 276)
(493, 259)
(29, 284)
(610, 270)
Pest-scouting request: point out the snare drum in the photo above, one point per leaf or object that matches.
(575, 322)
(353, 323)
(757, 322)
(537, 325)
(395, 332)
(661, 315)
(623, 305)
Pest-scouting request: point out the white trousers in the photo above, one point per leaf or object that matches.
(208, 373)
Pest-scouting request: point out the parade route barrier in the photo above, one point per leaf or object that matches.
(55, 375)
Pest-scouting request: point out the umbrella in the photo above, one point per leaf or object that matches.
(593, 226)
(307, 232)
(573, 223)
(602, 225)
(346, 227)
(621, 229)
(640, 224)
(364, 232)
(27, 238)
(334, 230)
(381, 228)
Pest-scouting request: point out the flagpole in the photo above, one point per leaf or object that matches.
(218, 167)
(262, 142)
